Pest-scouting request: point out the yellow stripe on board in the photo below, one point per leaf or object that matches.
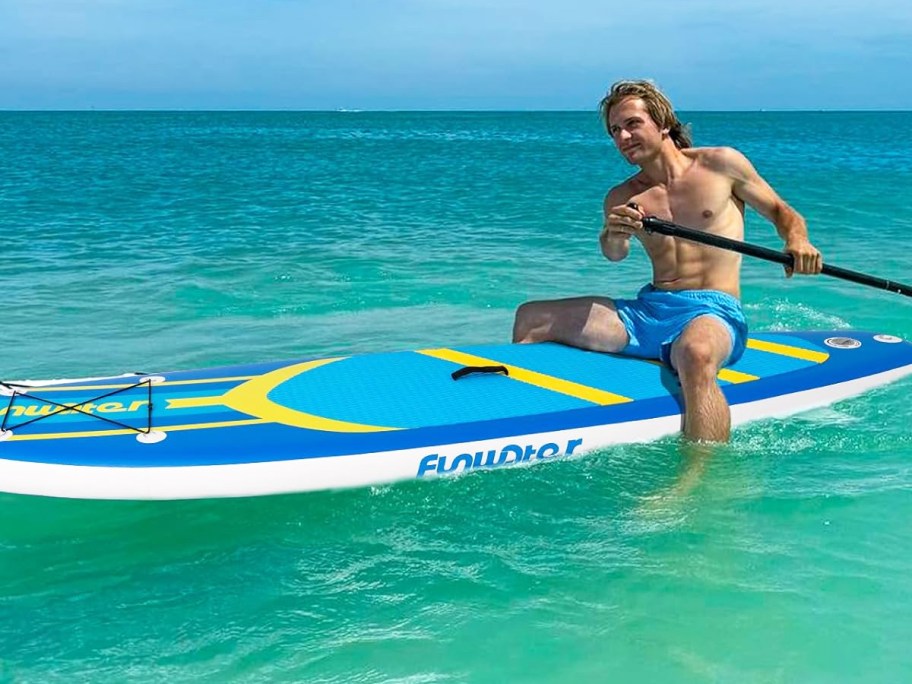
(195, 402)
(113, 433)
(734, 376)
(253, 399)
(726, 374)
(549, 382)
(787, 350)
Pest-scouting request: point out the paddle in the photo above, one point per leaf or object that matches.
(655, 225)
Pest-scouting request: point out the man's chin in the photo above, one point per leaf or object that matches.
(636, 156)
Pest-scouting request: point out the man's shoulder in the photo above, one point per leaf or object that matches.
(725, 160)
(714, 156)
(624, 190)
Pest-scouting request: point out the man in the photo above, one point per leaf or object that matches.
(690, 316)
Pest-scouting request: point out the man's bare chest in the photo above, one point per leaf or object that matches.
(699, 200)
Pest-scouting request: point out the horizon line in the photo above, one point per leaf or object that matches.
(345, 110)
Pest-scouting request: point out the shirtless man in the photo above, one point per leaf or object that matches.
(690, 316)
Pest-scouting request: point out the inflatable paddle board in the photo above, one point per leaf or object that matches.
(362, 420)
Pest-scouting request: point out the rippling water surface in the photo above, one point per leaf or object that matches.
(157, 241)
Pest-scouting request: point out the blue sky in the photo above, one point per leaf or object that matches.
(452, 54)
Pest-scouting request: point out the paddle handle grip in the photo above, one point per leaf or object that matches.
(654, 225)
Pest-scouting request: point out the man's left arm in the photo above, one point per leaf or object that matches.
(751, 188)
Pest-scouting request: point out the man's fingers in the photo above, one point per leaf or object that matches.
(811, 263)
(630, 210)
(804, 263)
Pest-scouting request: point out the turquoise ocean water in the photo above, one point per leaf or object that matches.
(158, 241)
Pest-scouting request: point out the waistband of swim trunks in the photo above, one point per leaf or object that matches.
(694, 294)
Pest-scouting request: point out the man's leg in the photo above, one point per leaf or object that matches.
(697, 355)
(585, 322)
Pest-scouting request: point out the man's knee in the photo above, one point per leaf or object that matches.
(696, 358)
(532, 318)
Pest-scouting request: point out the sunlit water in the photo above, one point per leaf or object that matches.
(154, 241)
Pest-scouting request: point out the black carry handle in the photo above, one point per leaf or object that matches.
(469, 370)
(654, 225)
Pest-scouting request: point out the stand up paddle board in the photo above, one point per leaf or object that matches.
(362, 420)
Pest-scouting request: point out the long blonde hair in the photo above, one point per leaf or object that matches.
(658, 106)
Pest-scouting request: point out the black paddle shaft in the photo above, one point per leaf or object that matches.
(654, 225)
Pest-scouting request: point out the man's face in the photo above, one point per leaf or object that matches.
(635, 134)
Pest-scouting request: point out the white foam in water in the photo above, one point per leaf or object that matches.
(827, 416)
(788, 315)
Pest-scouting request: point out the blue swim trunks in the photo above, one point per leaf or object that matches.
(656, 318)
